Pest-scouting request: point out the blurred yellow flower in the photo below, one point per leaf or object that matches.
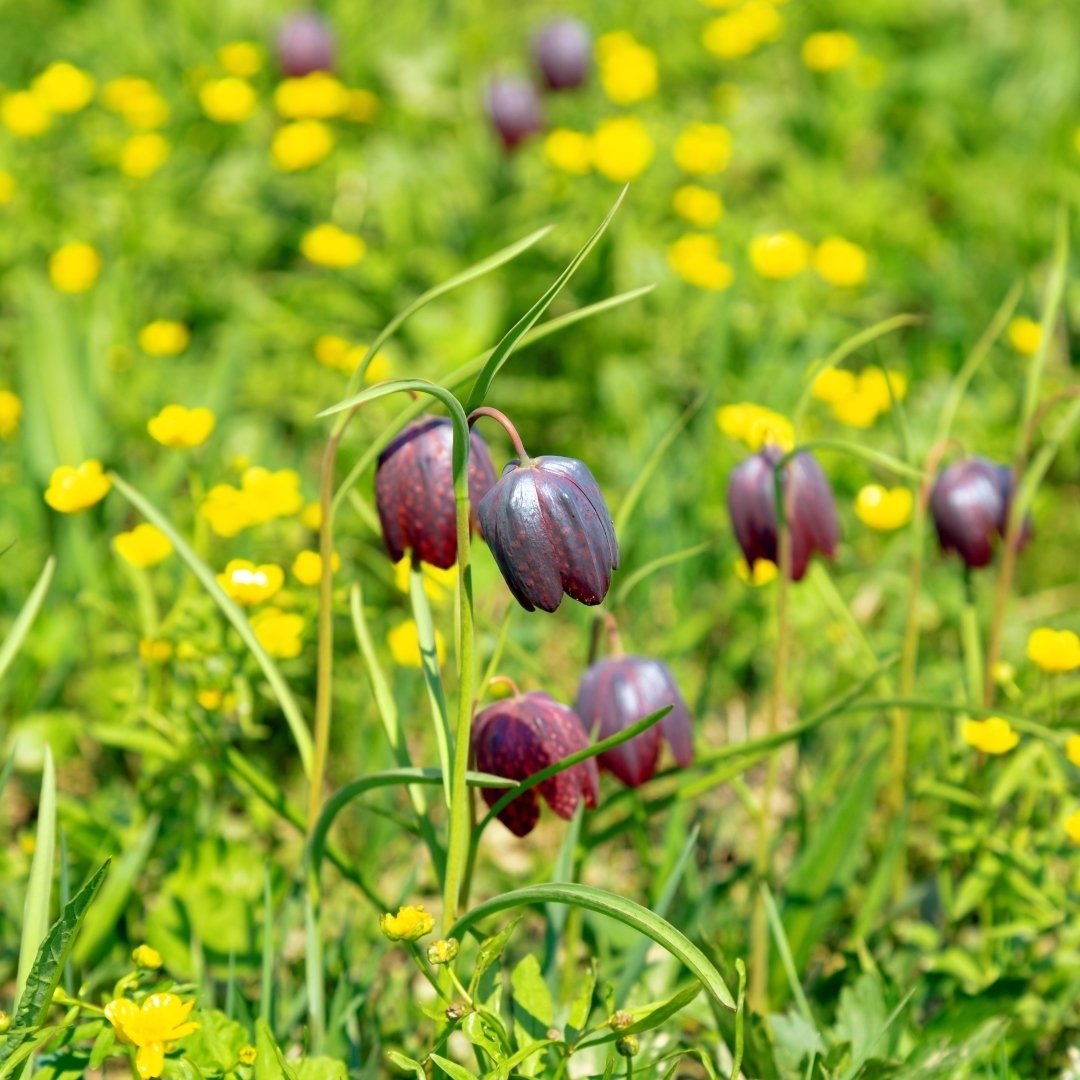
(301, 144)
(74, 267)
(840, 262)
(439, 584)
(628, 70)
(409, 924)
(994, 735)
(180, 428)
(569, 150)
(1054, 651)
(1072, 827)
(755, 426)
(7, 187)
(829, 50)
(404, 644)
(703, 148)
(307, 567)
(164, 337)
(226, 509)
(833, 384)
(227, 101)
(882, 387)
(137, 101)
(764, 571)
(742, 30)
(10, 414)
(247, 1054)
(857, 410)
(163, 1019)
(329, 245)
(146, 957)
(698, 205)
(144, 546)
(1072, 749)
(361, 106)
(142, 155)
(1025, 335)
(249, 584)
(240, 58)
(779, 255)
(334, 351)
(74, 488)
(213, 699)
(317, 96)
(883, 508)
(25, 114)
(280, 633)
(695, 257)
(64, 87)
(311, 516)
(622, 148)
(271, 494)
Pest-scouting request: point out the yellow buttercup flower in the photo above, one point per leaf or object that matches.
(164, 337)
(301, 144)
(7, 187)
(858, 409)
(696, 259)
(162, 1019)
(883, 508)
(569, 150)
(226, 509)
(829, 50)
(334, 351)
(439, 584)
(1025, 335)
(280, 633)
(629, 71)
(213, 700)
(246, 1055)
(311, 516)
(1054, 651)
(840, 262)
(1072, 827)
(227, 101)
(1072, 749)
(622, 148)
(142, 155)
(25, 114)
(74, 488)
(329, 245)
(146, 957)
(404, 643)
(74, 267)
(144, 546)
(882, 388)
(271, 494)
(64, 87)
(10, 414)
(361, 106)
(994, 735)
(742, 30)
(240, 58)
(180, 428)
(409, 924)
(703, 148)
(698, 205)
(307, 567)
(755, 426)
(137, 101)
(249, 584)
(317, 96)
(779, 255)
(833, 384)
(764, 571)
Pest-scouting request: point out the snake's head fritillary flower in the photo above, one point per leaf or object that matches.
(562, 51)
(414, 490)
(305, 44)
(618, 692)
(970, 504)
(811, 509)
(550, 532)
(514, 110)
(520, 736)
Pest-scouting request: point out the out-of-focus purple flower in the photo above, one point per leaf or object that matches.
(561, 51)
(414, 490)
(618, 692)
(520, 736)
(305, 44)
(970, 505)
(811, 509)
(550, 532)
(514, 109)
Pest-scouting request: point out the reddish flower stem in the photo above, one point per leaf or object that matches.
(507, 426)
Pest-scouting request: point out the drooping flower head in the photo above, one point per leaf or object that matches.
(414, 490)
(811, 510)
(305, 44)
(561, 51)
(520, 736)
(514, 110)
(618, 692)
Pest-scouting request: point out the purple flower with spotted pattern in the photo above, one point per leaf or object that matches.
(518, 737)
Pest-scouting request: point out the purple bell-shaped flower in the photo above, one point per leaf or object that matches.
(305, 44)
(561, 51)
(513, 107)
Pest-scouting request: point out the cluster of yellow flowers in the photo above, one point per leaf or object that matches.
(1054, 651)
(620, 149)
(261, 497)
(60, 89)
(995, 735)
(884, 509)
(279, 632)
(857, 400)
(336, 352)
(629, 71)
(782, 255)
(755, 426)
(829, 50)
(143, 547)
(695, 257)
(742, 30)
(180, 428)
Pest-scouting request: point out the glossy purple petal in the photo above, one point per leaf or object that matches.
(562, 52)
(305, 44)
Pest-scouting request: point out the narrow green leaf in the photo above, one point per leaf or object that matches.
(491, 950)
(647, 1017)
(776, 926)
(644, 572)
(21, 626)
(270, 1063)
(6, 771)
(452, 1069)
(581, 1003)
(39, 889)
(853, 1070)
(506, 1069)
(266, 996)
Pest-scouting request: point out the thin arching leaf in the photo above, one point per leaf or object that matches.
(21, 626)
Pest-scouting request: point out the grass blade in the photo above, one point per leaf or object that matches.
(788, 961)
(25, 619)
(39, 890)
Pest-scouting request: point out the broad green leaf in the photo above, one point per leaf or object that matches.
(452, 1069)
(12, 643)
(581, 1003)
(403, 1062)
(215, 1046)
(320, 1068)
(270, 1063)
(861, 1015)
(797, 1040)
(875, 1043)
(491, 950)
(485, 1030)
(534, 1011)
(19, 1045)
(39, 890)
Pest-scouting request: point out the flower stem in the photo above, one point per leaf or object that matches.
(969, 631)
(504, 420)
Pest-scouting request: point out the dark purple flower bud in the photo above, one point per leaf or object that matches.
(618, 692)
(305, 44)
(550, 532)
(970, 505)
(561, 52)
(514, 109)
(811, 509)
(414, 490)
(522, 735)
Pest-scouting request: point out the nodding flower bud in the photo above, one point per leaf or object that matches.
(808, 500)
(414, 490)
(970, 504)
(514, 110)
(305, 44)
(522, 735)
(618, 692)
(561, 52)
(550, 532)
